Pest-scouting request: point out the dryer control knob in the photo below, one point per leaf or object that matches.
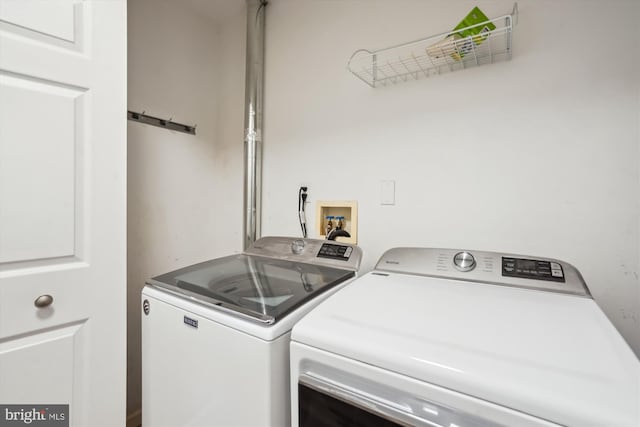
(464, 261)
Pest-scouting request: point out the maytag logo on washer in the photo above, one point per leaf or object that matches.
(34, 415)
(191, 322)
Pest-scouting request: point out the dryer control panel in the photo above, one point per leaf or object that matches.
(496, 268)
(532, 269)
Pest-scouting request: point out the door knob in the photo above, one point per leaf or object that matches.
(43, 301)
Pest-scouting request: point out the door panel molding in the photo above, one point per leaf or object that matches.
(43, 122)
(62, 28)
(49, 380)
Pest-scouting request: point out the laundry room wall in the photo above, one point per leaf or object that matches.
(186, 62)
(537, 155)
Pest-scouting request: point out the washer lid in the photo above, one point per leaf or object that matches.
(551, 355)
(259, 288)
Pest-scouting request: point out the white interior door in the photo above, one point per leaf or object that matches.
(62, 207)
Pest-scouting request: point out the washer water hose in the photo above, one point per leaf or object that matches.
(302, 215)
(338, 232)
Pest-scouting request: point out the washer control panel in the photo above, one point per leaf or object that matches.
(335, 251)
(532, 269)
(311, 251)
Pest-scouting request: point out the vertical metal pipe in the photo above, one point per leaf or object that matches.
(253, 121)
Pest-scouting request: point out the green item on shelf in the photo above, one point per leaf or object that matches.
(478, 33)
(463, 39)
(473, 18)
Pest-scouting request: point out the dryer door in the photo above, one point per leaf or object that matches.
(326, 403)
(330, 390)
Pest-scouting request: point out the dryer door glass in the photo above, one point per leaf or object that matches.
(347, 400)
(261, 288)
(317, 409)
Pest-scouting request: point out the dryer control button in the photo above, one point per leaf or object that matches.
(464, 261)
(556, 273)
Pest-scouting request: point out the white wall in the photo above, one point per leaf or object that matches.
(181, 65)
(534, 156)
(539, 155)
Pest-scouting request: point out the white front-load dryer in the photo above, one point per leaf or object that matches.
(438, 337)
(215, 335)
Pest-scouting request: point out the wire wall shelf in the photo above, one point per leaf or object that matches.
(437, 54)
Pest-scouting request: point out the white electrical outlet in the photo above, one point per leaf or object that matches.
(388, 192)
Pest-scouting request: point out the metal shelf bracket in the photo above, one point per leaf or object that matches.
(163, 123)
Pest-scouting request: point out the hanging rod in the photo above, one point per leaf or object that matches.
(156, 121)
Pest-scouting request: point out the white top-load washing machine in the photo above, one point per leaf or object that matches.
(438, 337)
(215, 335)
